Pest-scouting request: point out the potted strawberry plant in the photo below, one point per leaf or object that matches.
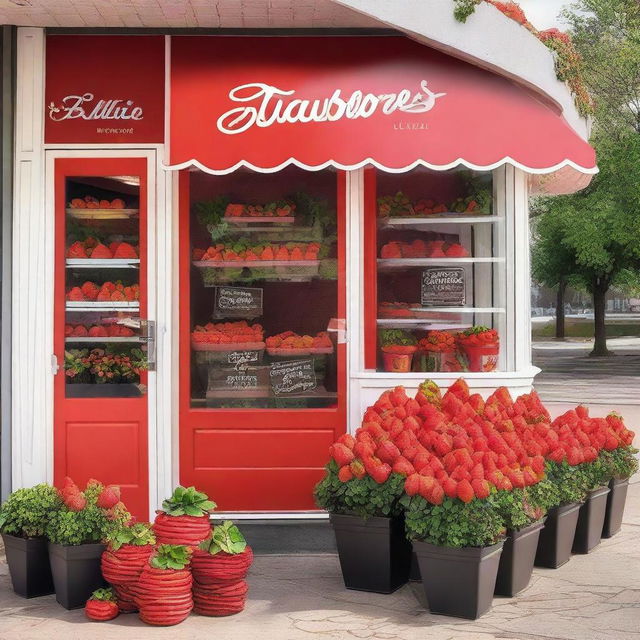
(398, 347)
(128, 551)
(75, 532)
(101, 605)
(163, 592)
(481, 346)
(437, 352)
(362, 489)
(23, 522)
(458, 543)
(219, 567)
(185, 518)
(621, 463)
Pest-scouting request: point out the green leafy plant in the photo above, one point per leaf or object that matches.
(171, 556)
(516, 508)
(26, 512)
(189, 502)
(464, 8)
(568, 480)
(453, 523)
(362, 497)
(138, 534)
(225, 537)
(210, 214)
(620, 463)
(391, 337)
(104, 594)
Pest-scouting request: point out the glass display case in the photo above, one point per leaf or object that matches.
(105, 353)
(437, 302)
(263, 283)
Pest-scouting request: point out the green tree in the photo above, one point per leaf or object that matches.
(599, 227)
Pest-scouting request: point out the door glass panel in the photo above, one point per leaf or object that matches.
(105, 353)
(263, 289)
(440, 264)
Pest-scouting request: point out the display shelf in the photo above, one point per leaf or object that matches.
(106, 263)
(88, 305)
(417, 323)
(253, 264)
(102, 214)
(320, 393)
(441, 218)
(103, 339)
(458, 309)
(245, 220)
(400, 263)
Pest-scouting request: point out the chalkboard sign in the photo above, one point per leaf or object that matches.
(242, 359)
(237, 302)
(292, 377)
(442, 287)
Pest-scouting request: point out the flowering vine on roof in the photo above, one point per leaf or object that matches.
(568, 60)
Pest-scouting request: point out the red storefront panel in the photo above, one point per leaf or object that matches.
(104, 89)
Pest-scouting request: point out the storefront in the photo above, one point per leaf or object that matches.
(238, 241)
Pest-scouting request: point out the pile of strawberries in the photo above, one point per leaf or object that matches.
(227, 333)
(293, 341)
(89, 202)
(107, 292)
(112, 330)
(423, 249)
(478, 336)
(274, 209)
(459, 446)
(438, 341)
(93, 248)
(74, 499)
(302, 251)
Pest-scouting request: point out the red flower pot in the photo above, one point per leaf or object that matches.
(398, 358)
(122, 568)
(185, 530)
(483, 358)
(220, 599)
(221, 568)
(163, 596)
(100, 610)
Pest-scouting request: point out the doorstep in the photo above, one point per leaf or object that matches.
(288, 536)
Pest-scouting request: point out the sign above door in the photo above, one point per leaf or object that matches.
(104, 89)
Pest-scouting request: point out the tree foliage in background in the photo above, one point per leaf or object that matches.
(593, 237)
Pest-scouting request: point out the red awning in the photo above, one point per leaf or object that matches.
(267, 102)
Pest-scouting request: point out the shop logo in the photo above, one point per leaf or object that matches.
(272, 109)
(77, 107)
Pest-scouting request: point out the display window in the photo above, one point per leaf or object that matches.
(104, 352)
(435, 241)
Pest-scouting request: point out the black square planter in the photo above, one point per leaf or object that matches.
(516, 561)
(556, 539)
(374, 553)
(76, 572)
(615, 506)
(458, 582)
(591, 521)
(28, 560)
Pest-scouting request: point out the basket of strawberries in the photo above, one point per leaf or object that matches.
(437, 352)
(481, 346)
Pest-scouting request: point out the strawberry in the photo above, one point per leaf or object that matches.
(341, 454)
(76, 502)
(380, 472)
(459, 388)
(429, 393)
(412, 484)
(97, 332)
(347, 440)
(90, 290)
(357, 468)
(76, 250)
(398, 397)
(481, 488)
(465, 491)
(80, 331)
(450, 487)
(403, 467)
(125, 250)
(344, 475)
(426, 486)
(109, 497)
(421, 460)
(412, 407)
(370, 415)
(388, 452)
(75, 295)
(437, 494)
(363, 449)
(101, 252)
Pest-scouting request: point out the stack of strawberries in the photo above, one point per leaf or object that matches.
(108, 292)
(94, 249)
(227, 333)
(423, 249)
(97, 331)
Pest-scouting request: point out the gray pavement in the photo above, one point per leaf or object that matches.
(593, 597)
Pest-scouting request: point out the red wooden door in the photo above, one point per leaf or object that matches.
(263, 454)
(100, 428)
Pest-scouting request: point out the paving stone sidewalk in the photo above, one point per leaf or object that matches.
(593, 597)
